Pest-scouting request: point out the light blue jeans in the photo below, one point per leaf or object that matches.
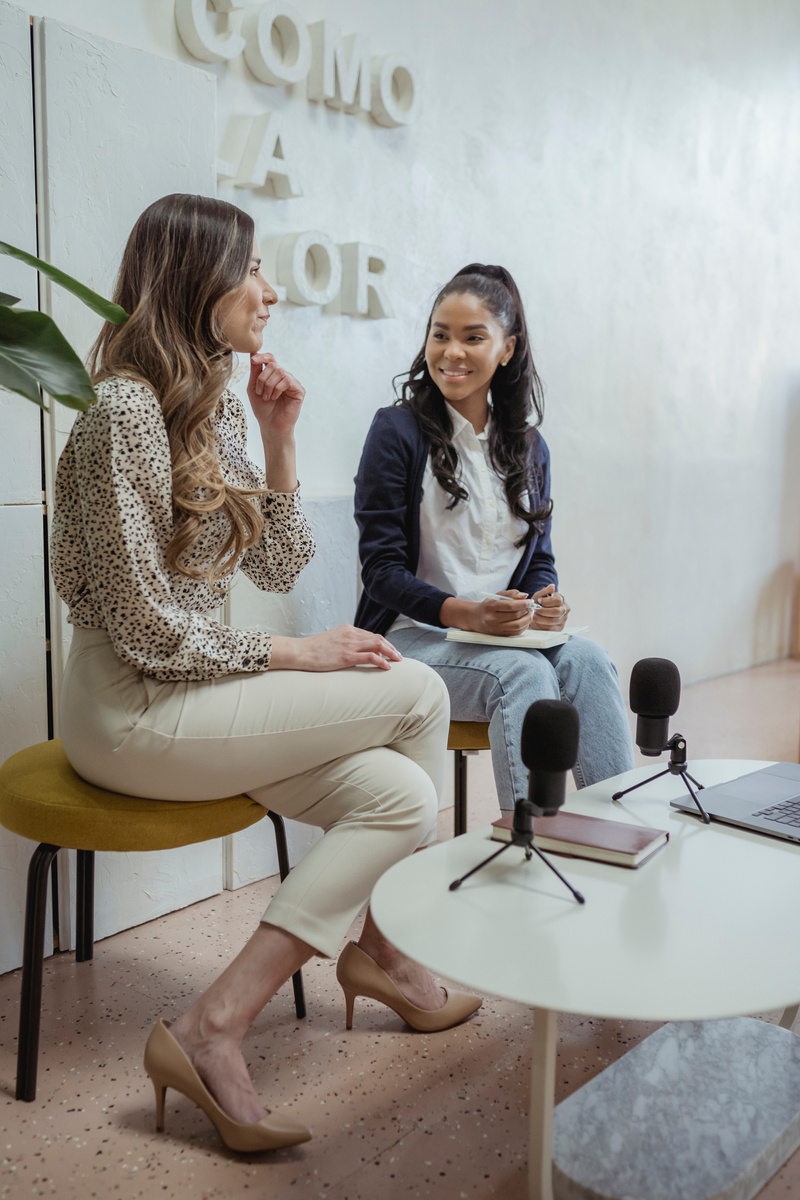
(490, 683)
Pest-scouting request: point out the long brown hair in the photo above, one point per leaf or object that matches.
(184, 254)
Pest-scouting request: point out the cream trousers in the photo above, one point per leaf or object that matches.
(359, 753)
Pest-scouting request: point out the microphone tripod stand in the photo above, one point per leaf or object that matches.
(521, 835)
(677, 765)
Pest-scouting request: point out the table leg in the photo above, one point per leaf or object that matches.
(543, 1080)
(789, 1016)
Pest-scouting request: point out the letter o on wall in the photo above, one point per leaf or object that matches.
(394, 94)
(309, 267)
(278, 44)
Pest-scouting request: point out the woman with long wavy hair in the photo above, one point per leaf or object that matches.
(453, 505)
(157, 507)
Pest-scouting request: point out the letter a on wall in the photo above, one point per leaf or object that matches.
(265, 161)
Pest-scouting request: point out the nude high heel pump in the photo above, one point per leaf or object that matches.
(168, 1066)
(360, 975)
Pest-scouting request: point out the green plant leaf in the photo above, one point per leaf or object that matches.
(6, 299)
(33, 350)
(104, 308)
(15, 379)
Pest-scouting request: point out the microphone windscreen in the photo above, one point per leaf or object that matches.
(550, 734)
(655, 687)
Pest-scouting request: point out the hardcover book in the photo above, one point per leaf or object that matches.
(589, 837)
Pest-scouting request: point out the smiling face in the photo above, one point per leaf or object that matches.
(243, 314)
(465, 346)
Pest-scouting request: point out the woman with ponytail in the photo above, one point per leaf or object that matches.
(157, 507)
(453, 507)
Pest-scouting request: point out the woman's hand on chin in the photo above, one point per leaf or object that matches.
(335, 650)
(275, 397)
(553, 611)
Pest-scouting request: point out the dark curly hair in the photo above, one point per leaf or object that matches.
(517, 393)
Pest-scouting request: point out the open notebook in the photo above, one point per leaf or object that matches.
(531, 639)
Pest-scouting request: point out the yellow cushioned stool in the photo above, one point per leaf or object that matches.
(465, 737)
(43, 799)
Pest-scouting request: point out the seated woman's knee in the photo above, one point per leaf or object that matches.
(588, 657)
(427, 683)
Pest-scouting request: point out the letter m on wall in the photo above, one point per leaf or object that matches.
(340, 68)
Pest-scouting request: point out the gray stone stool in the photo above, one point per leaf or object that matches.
(700, 1110)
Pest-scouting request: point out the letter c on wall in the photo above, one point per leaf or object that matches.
(287, 58)
(198, 36)
(309, 267)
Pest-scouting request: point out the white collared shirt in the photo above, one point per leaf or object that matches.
(467, 550)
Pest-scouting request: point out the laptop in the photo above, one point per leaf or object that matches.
(767, 801)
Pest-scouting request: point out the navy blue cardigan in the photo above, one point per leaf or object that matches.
(388, 495)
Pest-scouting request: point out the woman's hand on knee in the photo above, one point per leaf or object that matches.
(335, 650)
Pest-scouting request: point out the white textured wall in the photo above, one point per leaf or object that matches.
(637, 166)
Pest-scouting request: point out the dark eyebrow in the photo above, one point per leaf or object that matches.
(257, 261)
(467, 328)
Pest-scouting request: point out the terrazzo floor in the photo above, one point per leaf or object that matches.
(395, 1113)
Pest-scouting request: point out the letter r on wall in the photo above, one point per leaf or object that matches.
(363, 288)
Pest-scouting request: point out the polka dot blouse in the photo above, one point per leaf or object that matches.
(113, 521)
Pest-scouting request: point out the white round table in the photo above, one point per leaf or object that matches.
(706, 928)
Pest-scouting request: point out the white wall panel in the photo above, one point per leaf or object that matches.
(22, 634)
(325, 593)
(20, 478)
(23, 709)
(132, 888)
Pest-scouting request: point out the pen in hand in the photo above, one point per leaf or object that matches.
(533, 605)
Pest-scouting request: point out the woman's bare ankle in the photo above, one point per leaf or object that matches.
(414, 981)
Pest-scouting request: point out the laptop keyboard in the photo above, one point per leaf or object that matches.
(785, 813)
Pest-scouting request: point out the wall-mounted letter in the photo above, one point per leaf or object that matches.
(340, 68)
(288, 58)
(265, 161)
(363, 289)
(197, 34)
(310, 267)
(394, 95)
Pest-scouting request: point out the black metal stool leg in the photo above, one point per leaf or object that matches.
(84, 932)
(460, 789)
(30, 1000)
(284, 868)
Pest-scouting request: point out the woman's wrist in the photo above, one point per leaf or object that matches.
(280, 464)
(286, 654)
(459, 614)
